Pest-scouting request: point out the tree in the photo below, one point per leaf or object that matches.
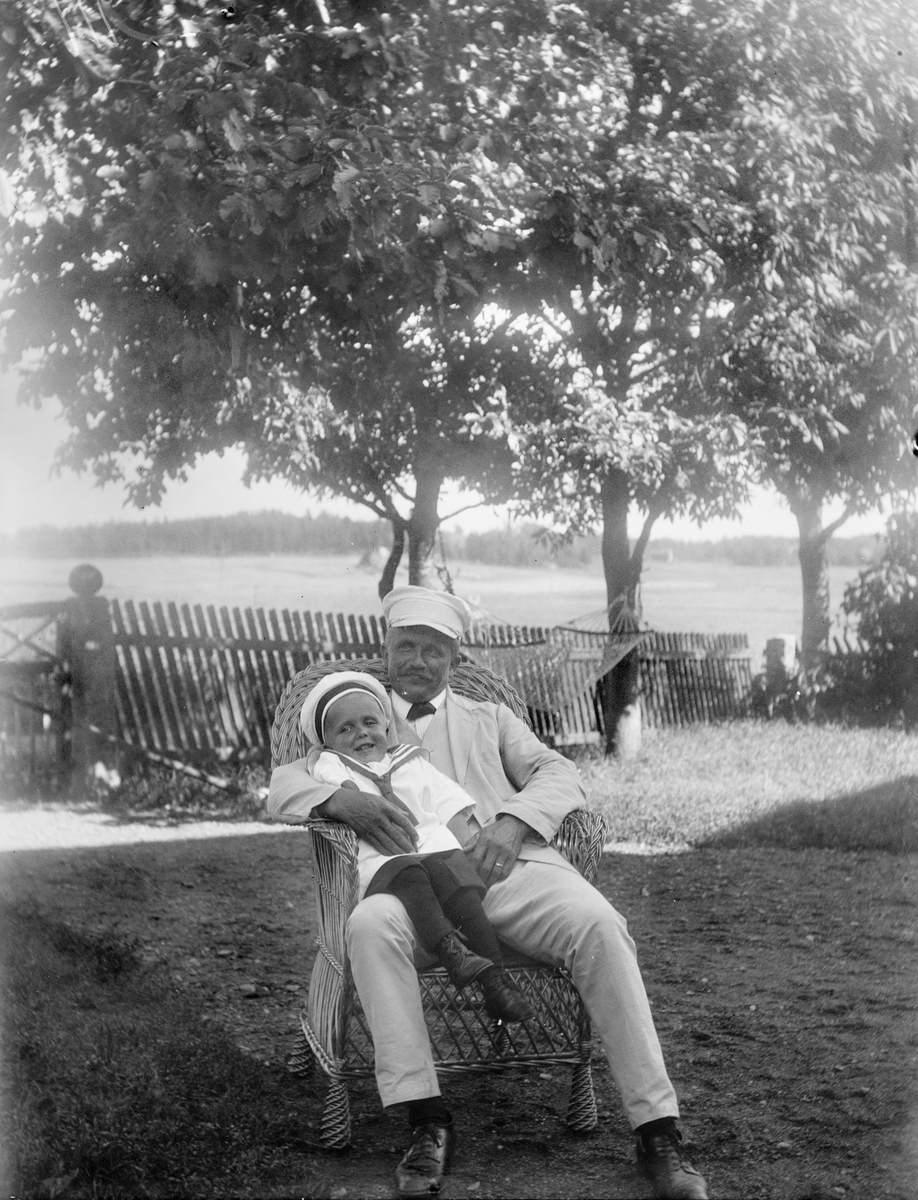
(742, 207)
(294, 234)
(826, 354)
(251, 232)
(390, 408)
(380, 250)
(637, 234)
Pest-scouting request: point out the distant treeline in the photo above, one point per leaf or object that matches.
(761, 551)
(283, 533)
(240, 533)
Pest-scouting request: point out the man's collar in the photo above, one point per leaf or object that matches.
(400, 705)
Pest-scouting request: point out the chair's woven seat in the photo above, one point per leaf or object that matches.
(463, 1036)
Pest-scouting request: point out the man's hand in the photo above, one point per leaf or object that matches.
(497, 847)
(388, 825)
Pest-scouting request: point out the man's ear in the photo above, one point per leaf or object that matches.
(454, 656)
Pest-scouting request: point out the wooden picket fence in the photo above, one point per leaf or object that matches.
(691, 677)
(198, 684)
(206, 680)
(683, 677)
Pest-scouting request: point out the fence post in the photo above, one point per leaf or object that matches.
(86, 643)
(780, 663)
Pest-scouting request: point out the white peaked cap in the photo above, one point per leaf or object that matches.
(332, 687)
(412, 605)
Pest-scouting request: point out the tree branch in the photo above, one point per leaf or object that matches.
(829, 529)
(464, 508)
(654, 510)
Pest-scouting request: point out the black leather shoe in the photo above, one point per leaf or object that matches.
(462, 964)
(671, 1175)
(503, 999)
(421, 1171)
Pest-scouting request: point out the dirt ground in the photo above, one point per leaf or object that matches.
(784, 987)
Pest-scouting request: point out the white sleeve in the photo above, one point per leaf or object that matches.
(436, 792)
(329, 769)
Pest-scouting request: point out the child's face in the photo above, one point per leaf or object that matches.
(355, 725)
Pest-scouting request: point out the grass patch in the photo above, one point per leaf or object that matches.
(106, 956)
(754, 783)
(113, 1087)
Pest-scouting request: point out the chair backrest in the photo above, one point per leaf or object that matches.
(467, 679)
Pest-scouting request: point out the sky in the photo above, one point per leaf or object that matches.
(32, 495)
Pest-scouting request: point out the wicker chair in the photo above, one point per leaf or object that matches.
(334, 1032)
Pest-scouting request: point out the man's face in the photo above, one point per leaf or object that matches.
(418, 660)
(355, 725)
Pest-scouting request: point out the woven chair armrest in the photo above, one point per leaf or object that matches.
(339, 834)
(580, 838)
(334, 858)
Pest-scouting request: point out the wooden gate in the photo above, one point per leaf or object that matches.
(56, 684)
(34, 701)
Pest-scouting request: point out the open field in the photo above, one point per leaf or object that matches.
(702, 597)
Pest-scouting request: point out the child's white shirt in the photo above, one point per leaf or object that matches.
(431, 797)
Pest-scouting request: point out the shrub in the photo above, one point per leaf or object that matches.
(881, 611)
(173, 795)
(876, 681)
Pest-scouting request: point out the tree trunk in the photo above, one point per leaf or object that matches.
(387, 579)
(619, 689)
(814, 578)
(422, 526)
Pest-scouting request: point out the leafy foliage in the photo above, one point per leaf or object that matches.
(584, 256)
(881, 606)
(824, 362)
(635, 224)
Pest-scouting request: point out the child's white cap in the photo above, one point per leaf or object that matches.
(331, 688)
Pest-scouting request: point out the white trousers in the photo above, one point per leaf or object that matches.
(547, 912)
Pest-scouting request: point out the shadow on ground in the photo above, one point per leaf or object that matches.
(884, 817)
(783, 984)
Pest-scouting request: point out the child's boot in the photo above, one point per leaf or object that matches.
(503, 999)
(461, 964)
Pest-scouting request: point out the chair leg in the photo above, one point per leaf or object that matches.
(301, 1060)
(336, 1116)
(581, 1108)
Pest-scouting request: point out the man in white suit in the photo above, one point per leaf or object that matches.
(538, 903)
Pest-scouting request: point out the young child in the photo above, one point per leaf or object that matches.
(346, 717)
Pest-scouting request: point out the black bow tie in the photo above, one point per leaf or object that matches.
(424, 709)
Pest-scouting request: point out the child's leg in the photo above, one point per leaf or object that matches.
(464, 909)
(462, 905)
(413, 887)
(416, 886)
